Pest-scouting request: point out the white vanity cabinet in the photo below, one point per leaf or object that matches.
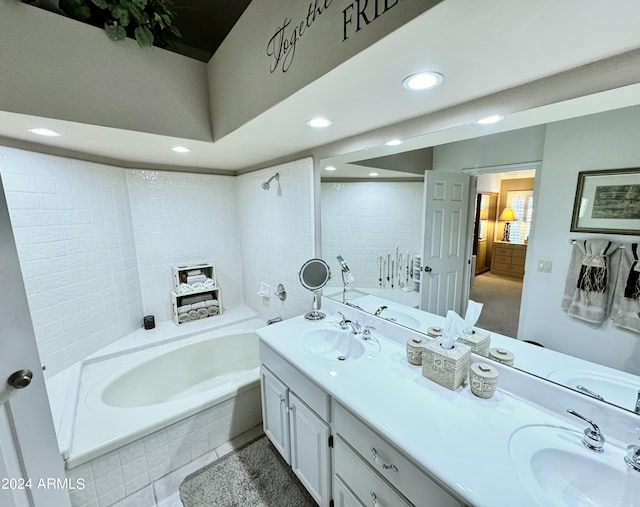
(295, 413)
(376, 472)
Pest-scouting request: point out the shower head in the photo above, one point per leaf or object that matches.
(266, 184)
(343, 264)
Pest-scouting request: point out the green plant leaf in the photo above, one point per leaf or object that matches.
(122, 14)
(115, 32)
(140, 3)
(100, 3)
(76, 9)
(136, 12)
(144, 36)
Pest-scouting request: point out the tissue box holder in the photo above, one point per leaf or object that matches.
(479, 341)
(447, 367)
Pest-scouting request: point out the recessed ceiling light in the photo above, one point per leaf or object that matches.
(394, 142)
(180, 149)
(330, 168)
(490, 119)
(44, 132)
(422, 81)
(319, 123)
(374, 174)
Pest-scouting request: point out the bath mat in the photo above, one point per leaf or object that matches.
(255, 475)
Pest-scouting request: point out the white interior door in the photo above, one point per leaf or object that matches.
(445, 252)
(31, 468)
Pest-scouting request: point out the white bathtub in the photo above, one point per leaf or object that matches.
(128, 397)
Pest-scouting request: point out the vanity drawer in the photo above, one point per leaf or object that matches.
(508, 267)
(500, 250)
(501, 259)
(365, 484)
(389, 462)
(519, 251)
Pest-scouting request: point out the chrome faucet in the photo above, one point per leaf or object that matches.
(380, 310)
(589, 392)
(632, 459)
(593, 438)
(366, 333)
(637, 409)
(346, 324)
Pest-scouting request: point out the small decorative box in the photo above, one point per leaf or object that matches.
(414, 350)
(483, 379)
(502, 356)
(447, 367)
(479, 341)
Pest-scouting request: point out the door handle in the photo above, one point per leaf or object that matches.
(427, 269)
(20, 379)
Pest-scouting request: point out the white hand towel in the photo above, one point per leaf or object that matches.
(184, 309)
(183, 317)
(196, 278)
(184, 288)
(193, 315)
(198, 305)
(212, 302)
(202, 313)
(208, 283)
(194, 272)
(197, 286)
(213, 311)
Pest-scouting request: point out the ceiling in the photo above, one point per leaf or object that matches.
(203, 25)
(481, 48)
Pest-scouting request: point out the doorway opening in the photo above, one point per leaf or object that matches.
(502, 224)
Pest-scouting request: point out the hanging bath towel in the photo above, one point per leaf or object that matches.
(626, 302)
(589, 287)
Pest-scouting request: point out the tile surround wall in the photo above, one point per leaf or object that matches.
(124, 471)
(361, 220)
(184, 218)
(277, 236)
(72, 225)
(96, 243)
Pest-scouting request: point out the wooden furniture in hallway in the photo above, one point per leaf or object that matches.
(508, 259)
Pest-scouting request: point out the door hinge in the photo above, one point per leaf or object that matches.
(331, 441)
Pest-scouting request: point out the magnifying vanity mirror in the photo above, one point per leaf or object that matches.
(314, 275)
(379, 224)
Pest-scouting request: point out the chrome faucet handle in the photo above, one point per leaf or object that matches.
(637, 409)
(589, 392)
(632, 459)
(366, 333)
(593, 438)
(344, 321)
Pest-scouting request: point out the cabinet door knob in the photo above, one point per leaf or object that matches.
(374, 498)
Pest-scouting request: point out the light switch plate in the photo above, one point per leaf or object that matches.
(544, 266)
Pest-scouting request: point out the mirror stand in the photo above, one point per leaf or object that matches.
(315, 314)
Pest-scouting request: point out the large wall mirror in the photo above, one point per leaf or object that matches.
(374, 203)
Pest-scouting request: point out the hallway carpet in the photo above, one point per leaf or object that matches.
(500, 296)
(255, 476)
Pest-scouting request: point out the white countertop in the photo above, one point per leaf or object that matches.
(460, 440)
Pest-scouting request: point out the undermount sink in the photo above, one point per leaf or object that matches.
(558, 470)
(335, 344)
(618, 391)
(402, 318)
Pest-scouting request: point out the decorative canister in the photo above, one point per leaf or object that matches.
(435, 332)
(414, 350)
(483, 379)
(502, 356)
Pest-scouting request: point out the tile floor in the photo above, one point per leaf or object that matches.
(164, 492)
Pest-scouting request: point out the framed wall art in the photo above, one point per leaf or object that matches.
(607, 202)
